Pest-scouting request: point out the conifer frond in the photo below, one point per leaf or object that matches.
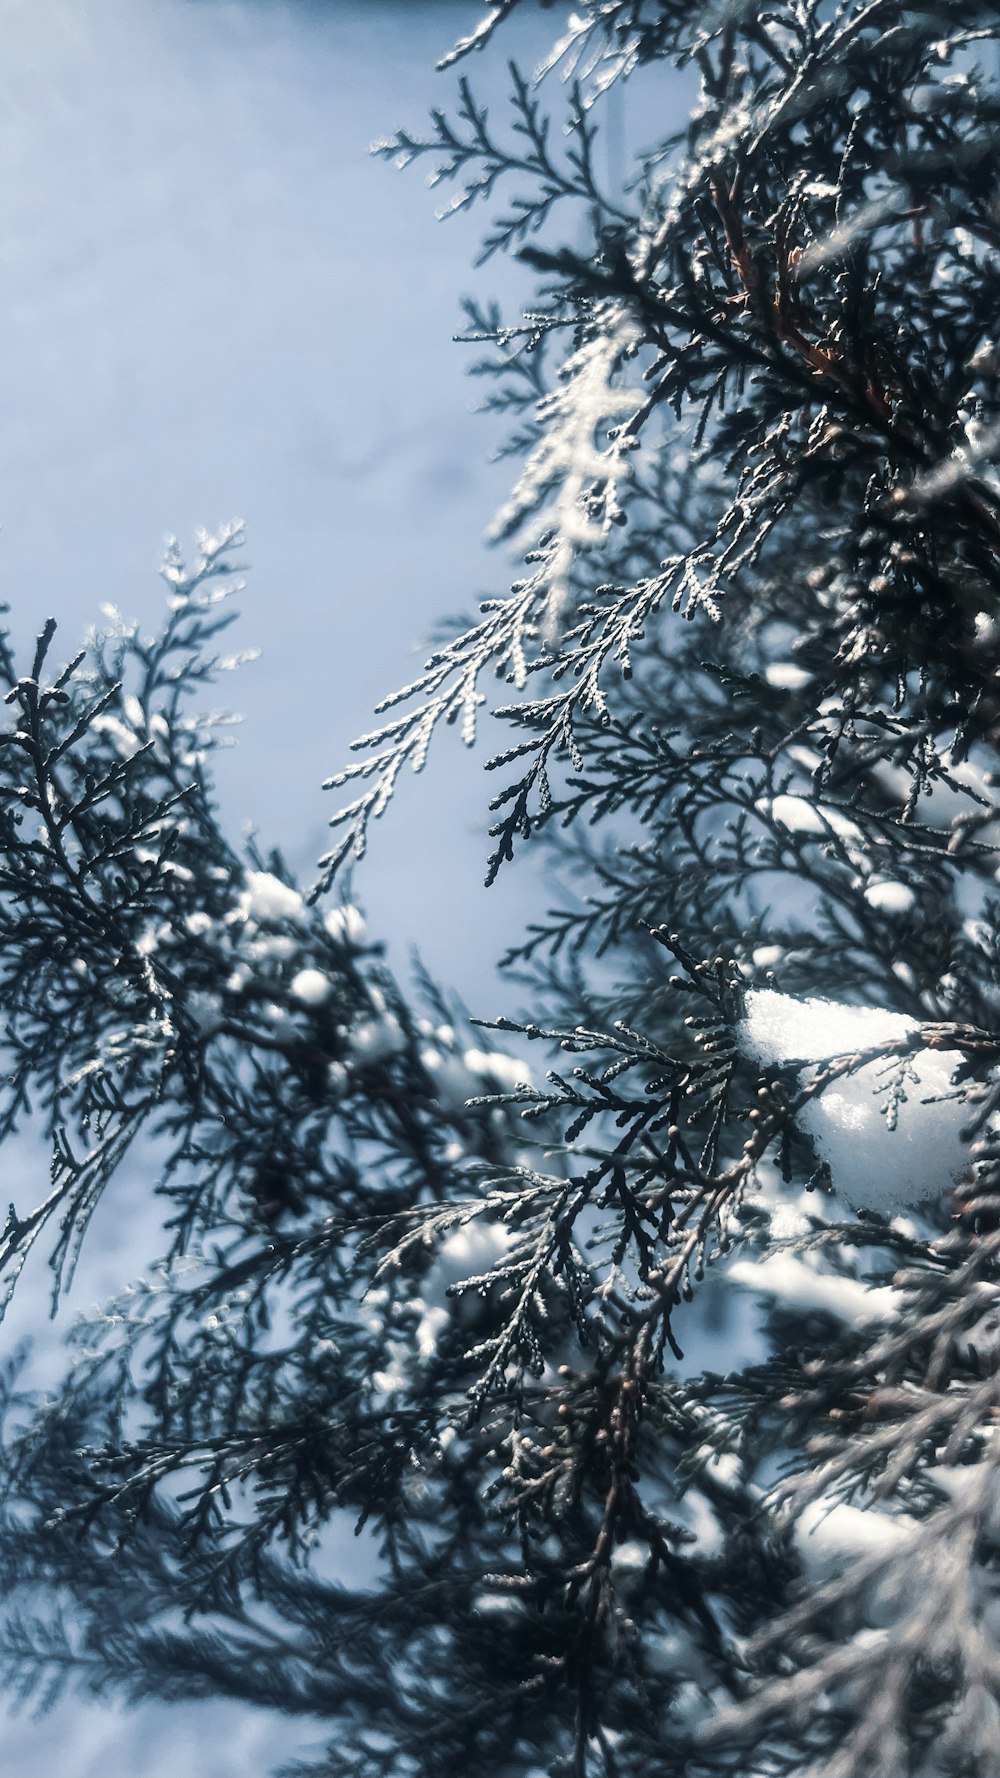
(657, 1375)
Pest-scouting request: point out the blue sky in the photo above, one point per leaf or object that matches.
(213, 301)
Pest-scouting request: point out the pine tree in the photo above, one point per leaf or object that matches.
(662, 1384)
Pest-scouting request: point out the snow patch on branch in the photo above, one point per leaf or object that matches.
(778, 1028)
(828, 1536)
(887, 896)
(790, 1279)
(267, 898)
(346, 925)
(890, 1131)
(801, 815)
(311, 987)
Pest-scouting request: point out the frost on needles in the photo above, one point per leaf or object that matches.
(649, 1341)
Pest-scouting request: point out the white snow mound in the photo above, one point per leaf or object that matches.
(874, 1166)
(311, 987)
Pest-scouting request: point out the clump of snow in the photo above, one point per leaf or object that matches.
(473, 1248)
(826, 1537)
(630, 1557)
(469, 1074)
(205, 1009)
(489, 1600)
(694, 1512)
(800, 815)
(786, 676)
(336, 1079)
(789, 1278)
(377, 1040)
(471, 1251)
(124, 740)
(766, 956)
(432, 1322)
(889, 897)
(391, 1382)
(453, 1083)
(875, 1166)
(270, 948)
(669, 1653)
(778, 1028)
(266, 897)
(788, 1221)
(498, 1071)
(346, 925)
(151, 938)
(724, 1467)
(311, 987)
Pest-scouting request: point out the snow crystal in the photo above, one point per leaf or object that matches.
(311, 986)
(198, 923)
(874, 1166)
(266, 897)
(889, 897)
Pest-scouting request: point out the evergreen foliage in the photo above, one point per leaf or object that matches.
(661, 1385)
